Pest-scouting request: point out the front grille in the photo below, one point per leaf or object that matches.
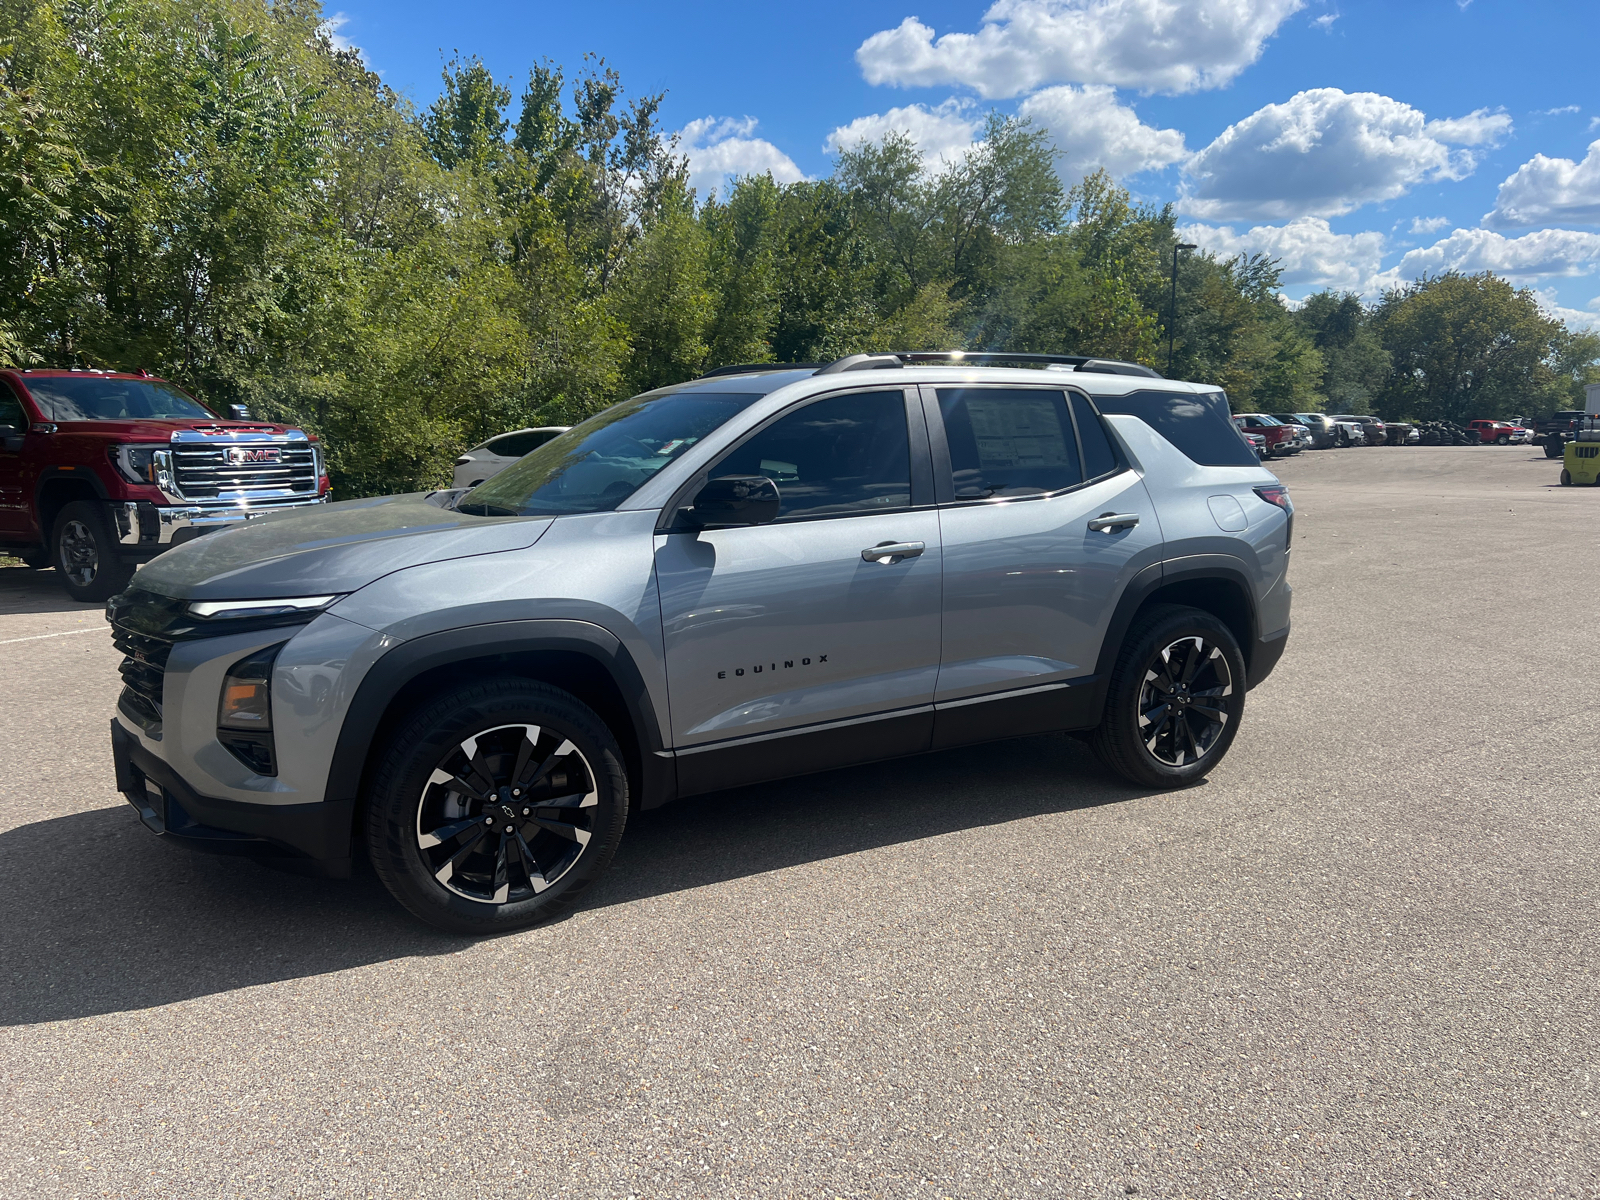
(144, 627)
(272, 468)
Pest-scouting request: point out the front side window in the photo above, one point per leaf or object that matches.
(1009, 442)
(836, 457)
(595, 466)
(11, 410)
(93, 398)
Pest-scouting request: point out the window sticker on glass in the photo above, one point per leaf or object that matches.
(1008, 442)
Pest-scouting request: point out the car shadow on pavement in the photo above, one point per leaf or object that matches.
(101, 917)
(24, 590)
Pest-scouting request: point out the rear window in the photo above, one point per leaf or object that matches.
(515, 445)
(1197, 424)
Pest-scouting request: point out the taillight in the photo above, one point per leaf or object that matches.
(1276, 493)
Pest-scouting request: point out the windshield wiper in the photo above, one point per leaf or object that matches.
(481, 508)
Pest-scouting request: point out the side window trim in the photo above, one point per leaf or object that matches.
(944, 475)
(922, 473)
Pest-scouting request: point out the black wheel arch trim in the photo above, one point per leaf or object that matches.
(1196, 568)
(411, 659)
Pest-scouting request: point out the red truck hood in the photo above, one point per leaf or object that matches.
(152, 430)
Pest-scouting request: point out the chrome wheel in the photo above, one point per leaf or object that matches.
(506, 814)
(1183, 708)
(78, 555)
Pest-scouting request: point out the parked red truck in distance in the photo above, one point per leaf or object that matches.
(1501, 433)
(103, 470)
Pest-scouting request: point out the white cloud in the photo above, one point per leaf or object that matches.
(1154, 45)
(330, 29)
(1543, 254)
(1544, 190)
(942, 133)
(1309, 252)
(721, 148)
(1090, 129)
(1325, 152)
(1556, 112)
(1594, 122)
(1325, 21)
(1576, 319)
(1428, 224)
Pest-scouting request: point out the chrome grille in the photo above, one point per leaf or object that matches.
(258, 469)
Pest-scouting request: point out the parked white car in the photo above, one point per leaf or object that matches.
(490, 458)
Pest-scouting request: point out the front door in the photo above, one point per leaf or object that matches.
(13, 429)
(789, 649)
(1028, 483)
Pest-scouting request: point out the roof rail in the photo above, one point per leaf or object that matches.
(757, 369)
(985, 358)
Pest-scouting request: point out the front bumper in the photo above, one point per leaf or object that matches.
(312, 838)
(141, 525)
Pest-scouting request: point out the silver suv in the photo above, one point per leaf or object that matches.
(765, 572)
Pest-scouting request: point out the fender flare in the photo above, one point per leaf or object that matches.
(1191, 568)
(411, 659)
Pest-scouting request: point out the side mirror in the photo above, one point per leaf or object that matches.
(736, 500)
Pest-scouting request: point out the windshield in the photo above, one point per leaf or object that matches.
(91, 398)
(595, 466)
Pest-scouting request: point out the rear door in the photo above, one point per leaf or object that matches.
(1043, 526)
(791, 646)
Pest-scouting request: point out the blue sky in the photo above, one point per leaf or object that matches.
(1361, 143)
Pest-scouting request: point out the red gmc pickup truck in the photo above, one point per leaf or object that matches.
(102, 470)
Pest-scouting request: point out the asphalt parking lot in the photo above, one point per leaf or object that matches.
(1361, 960)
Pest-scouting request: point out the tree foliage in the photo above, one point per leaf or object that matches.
(211, 190)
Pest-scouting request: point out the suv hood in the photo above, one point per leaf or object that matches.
(319, 550)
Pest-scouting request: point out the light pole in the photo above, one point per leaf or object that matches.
(1172, 309)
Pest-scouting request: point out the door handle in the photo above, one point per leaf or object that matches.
(893, 552)
(1111, 522)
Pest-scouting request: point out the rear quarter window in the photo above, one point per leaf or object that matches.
(1198, 424)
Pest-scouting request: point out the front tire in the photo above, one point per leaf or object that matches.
(495, 806)
(1553, 448)
(1175, 698)
(84, 553)
(1503, 440)
(1566, 477)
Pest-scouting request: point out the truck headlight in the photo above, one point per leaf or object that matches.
(244, 711)
(136, 464)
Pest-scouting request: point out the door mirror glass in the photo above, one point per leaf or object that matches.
(736, 500)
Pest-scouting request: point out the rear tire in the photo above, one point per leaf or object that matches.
(1566, 477)
(1175, 698)
(1553, 448)
(462, 850)
(84, 553)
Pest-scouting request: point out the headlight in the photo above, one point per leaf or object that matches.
(227, 610)
(244, 711)
(136, 464)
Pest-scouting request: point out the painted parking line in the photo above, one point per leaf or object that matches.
(41, 636)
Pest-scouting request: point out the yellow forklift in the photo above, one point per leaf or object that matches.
(1581, 457)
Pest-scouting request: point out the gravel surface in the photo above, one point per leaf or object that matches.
(1361, 960)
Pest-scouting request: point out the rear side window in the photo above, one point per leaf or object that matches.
(515, 445)
(11, 410)
(1198, 425)
(1098, 456)
(1009, 441)
(836, 457)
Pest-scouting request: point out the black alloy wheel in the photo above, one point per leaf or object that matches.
(495, 806)
(84, 553)
(1175, 698)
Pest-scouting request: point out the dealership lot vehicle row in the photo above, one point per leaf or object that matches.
(1360, 960)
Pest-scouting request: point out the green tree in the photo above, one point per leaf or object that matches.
(1357, 366)
(1467, 346)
